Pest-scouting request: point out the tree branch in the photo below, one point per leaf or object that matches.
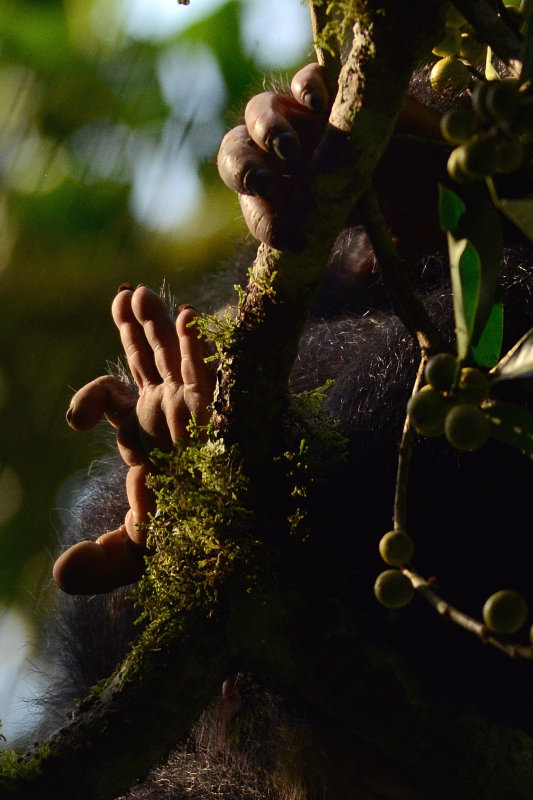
(388, 39)
(117, 735)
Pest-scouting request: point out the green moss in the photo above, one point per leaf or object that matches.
(14, 766)
(199, 492)
(219, 329)
(337, 31)
(206, 542)
(316, 449)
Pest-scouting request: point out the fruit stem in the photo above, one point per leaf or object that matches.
(405, 452)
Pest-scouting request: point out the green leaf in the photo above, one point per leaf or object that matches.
(451, 209)
(491, 73)
(465, 270)
(512, 425)
(488, 348)
(475, 245)
(481, 225)
(518, 362)
(520, 212)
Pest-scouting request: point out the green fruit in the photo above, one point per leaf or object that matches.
(458, 125)
(502, 100)
(449, 73)
(510, 154)
(427, 410)
(450, 43)
(473, 161)
(393, 589)
(455, 167)
(440, 371)
(466, 427)
(478, 100)
(505, 611)
(478, 158)
(473, 385)
(396, 548)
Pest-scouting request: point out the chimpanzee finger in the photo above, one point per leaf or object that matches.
(198, 379)
(150, 311)
(97, 567)
(243, 166)
(308, 86)
(107, 396)
(129, 443)
(272, 223)
(139, 353)
(142, 503)
(273, 122)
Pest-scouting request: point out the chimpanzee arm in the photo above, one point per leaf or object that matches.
(167, 364)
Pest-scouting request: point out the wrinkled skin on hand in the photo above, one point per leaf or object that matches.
(266, 162)
(166, 360)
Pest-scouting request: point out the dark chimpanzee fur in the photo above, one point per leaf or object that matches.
(469, 516)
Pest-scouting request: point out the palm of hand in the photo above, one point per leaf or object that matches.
(167, 364)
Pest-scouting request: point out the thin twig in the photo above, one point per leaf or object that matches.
(396, 277)
(405, 452)
(445, 609)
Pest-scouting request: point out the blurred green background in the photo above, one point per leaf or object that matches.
(111, 113)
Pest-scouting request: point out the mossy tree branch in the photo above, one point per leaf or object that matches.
(388, 39)
(118, 734)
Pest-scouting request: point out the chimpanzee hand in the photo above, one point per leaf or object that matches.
(266, 159)
(167, 364)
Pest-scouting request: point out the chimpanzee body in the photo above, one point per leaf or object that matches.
(469, 515)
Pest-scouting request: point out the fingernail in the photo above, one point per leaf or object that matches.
(316, 102)
(68, 415)
(186, 306)
(125, 287)
(286, 145)
(141, 286)
(259, 182)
